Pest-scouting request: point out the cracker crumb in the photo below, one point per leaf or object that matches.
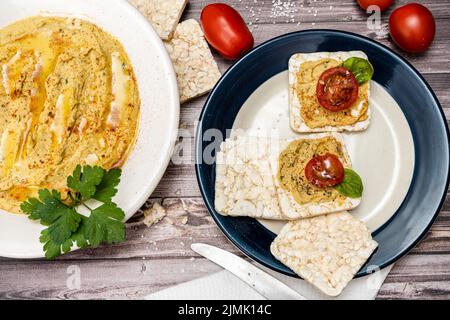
(154, 214)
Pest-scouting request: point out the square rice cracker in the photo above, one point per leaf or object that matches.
(244, 183)
(296, 120)
(326, 251)
(162, 14)
(289, 206)
(197, 71)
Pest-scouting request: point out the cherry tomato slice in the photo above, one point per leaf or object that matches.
(325, 171)
(337, 89)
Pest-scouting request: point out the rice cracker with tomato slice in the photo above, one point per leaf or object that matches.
(325, 96)
(284, 179)
(311, 176)
(326, 251)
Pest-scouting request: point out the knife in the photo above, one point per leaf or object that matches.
(262, 282)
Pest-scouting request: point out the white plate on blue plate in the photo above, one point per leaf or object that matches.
(19, 237)
(387, 146)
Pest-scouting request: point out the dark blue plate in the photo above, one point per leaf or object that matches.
(415, 97)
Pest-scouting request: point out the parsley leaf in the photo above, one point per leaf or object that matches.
(105, 225)
(107, 188)
(85, 180)
(47, 208)
(53, 249)
(65, 226)
(78, 237)
(61, 220)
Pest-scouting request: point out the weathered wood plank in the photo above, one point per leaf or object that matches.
(104, 279)
(346, 16)
(171, 238)
(426, 290)
(430, 268)
(418, 277)
(415, 276)
(434, 60)
(437, 239)
(305, 10)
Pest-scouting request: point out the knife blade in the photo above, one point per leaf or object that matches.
(262, 282)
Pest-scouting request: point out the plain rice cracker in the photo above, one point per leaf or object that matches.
(244, 183)
(296, 120)
(289, 206)
(197, 71)
(164, 15)
(327, 251)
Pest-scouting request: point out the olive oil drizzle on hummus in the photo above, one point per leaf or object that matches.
(312, 113)
(291, 169)
(68, 96)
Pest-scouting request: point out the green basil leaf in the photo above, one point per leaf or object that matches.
(361, 68)
(351, 186)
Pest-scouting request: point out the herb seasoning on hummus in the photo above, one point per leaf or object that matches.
(312, 113)
(68, 96)
(291, 169)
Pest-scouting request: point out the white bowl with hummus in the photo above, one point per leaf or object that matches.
(82, 82)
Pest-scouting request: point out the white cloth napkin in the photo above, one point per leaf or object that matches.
(224, 285)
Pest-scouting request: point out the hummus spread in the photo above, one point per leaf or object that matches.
(291, 169)
(68, 96)
(314, 115)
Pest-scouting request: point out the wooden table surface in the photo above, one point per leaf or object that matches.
(158, 257)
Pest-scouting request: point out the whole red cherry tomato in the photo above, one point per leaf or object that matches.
(325, 171)
(337, 89)
(412, 27)
(226, 31)
(383, 4)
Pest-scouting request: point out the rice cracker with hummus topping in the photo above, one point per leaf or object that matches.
(267, 178)
(340, 103)
(298, 197)
(326, 251)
